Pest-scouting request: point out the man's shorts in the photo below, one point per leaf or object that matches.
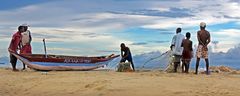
(177, 58)
(202, 52)
(129, 58)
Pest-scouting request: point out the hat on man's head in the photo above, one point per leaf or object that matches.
(202, 24)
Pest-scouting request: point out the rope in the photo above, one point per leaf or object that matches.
(167, 54)
(143, 65)
(112, 64)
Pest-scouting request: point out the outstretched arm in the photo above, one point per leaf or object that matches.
(14, 45)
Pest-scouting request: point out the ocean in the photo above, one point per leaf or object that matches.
(146, 61)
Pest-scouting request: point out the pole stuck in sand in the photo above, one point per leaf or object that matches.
(45, 49)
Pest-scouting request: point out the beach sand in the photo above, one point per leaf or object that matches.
(110, 83)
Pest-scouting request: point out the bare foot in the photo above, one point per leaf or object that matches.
(15, 70)
(208, 73)
(23, 69)
(196, 73)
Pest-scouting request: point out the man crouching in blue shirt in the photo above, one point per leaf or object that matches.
(126, 55)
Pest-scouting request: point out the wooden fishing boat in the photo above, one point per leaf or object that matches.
(63, 63)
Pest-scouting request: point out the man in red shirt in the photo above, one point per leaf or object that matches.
(14, 46)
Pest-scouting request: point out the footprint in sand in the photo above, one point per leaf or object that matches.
(97, 85)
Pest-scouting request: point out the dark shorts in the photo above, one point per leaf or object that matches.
(186, 55)
(186, 61)
(13, 59)
(128, 58)
(177, 58)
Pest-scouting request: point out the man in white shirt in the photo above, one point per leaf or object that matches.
(176, 48)
(25, 42)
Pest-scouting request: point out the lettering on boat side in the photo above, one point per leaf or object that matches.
(76, 61)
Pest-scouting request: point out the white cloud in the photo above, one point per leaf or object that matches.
(232, 9)
(228, 33)
(227, 38)
(161, 9)
(84, 22)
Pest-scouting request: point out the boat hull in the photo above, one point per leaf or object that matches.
(64, 63)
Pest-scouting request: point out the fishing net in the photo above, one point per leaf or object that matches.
(124, 67)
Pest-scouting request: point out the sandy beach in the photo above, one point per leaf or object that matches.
(110, 83)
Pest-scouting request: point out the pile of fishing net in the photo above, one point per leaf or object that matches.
(124, 67)
(219, 69)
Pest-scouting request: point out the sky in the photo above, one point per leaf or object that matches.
(97, 27)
